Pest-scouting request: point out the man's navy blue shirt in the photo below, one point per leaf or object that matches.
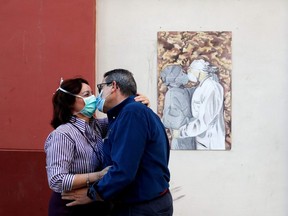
(138, 149)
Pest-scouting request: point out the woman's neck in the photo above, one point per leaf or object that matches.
(81, 116)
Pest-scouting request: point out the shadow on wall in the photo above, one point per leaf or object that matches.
(24, 187)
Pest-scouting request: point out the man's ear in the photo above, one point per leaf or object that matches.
(114, 85)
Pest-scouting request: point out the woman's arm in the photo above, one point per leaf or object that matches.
(59, 150)
(84, 180)
(143, 99)
(59, 154)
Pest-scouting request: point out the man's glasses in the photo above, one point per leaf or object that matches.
(101, 85)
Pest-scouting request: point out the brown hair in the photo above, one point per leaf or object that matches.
(63, 103)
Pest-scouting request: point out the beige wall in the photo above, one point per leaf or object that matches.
(252, 178)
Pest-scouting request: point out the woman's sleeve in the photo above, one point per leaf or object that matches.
(59, 150)
(103, 123)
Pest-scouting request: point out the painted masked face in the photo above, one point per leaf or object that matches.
(195, 68)
(192, 77)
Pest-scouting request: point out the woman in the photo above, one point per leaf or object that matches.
(74, 148)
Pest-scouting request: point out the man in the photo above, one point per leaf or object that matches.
(136, 148)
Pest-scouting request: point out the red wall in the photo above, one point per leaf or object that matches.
(24, 189)
(40, 42)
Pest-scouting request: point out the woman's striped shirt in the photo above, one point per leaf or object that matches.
(74, 148)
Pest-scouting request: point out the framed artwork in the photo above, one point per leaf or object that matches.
(194, 88)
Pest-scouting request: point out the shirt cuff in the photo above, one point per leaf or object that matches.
(93, 194)
(67, 182)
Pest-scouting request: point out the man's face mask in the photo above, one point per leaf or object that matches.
(100, 102)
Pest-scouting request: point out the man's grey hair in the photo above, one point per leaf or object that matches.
(124, 80)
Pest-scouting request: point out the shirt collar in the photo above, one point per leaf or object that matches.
(79, 123)
(114, 112)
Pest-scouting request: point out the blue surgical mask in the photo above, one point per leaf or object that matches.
(90, 105)
(100, 102)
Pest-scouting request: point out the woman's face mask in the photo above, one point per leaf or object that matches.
(90, 105)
